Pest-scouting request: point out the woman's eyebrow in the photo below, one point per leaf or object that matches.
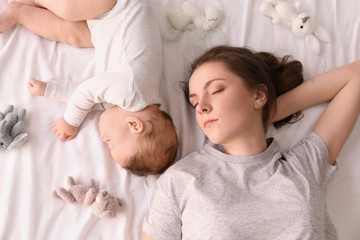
(206, 85)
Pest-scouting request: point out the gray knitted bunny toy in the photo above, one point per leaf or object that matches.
(10, 126)
(103, 204)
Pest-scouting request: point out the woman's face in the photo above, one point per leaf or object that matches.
(226, 110)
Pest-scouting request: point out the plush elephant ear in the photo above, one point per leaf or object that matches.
(15, 130)
(2, 127)
(18, 141)
(313, 43)
(9, 109)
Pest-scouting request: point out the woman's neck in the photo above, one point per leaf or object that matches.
(252, 144)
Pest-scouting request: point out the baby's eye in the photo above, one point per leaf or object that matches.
(194, 106)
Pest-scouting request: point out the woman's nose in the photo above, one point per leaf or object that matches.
(204, 107)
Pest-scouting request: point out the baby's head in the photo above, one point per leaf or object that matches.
(143, 142)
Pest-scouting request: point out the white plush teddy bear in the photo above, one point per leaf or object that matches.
(193, 14)
(290, 15)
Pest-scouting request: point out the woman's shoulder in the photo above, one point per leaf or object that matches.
(311, 145)
(310, 158)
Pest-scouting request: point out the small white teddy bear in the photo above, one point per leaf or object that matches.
(193, 14)
(290, 15)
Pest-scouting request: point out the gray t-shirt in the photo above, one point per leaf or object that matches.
(272, 195)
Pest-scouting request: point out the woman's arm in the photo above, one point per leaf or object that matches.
(342, 87)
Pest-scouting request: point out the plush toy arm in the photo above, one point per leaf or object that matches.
(313, 43)
(179, 20)
(322, 34)
(202, 20)
(267, 9)
(65, 195)
(193, 10)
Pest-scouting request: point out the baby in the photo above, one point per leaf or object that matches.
(128, 67)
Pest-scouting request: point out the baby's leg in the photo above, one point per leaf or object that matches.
(46, 24)
(36, 87)
(25, 2)
(77, 10)
(9, 16)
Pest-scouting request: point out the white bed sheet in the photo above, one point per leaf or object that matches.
(29, 174)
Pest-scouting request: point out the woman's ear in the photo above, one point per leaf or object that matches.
(260, 99)
(135, 125)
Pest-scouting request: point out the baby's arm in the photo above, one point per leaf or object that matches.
(61, 128)
(114, 88)
(342, 87)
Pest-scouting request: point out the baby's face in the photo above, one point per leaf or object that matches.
(116, 134)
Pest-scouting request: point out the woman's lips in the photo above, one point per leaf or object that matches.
(209, 122)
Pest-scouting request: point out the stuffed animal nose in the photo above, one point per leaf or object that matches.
(304, 19)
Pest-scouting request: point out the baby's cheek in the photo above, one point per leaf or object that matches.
(117, 157)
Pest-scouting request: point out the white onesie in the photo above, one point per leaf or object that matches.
(128, 63)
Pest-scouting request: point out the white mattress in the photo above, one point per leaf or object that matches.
(29, 174)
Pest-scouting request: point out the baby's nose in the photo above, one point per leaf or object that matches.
(104, 139)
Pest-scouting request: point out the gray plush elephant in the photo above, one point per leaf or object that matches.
(10, 126)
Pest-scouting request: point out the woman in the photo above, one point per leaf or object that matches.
(247, 188)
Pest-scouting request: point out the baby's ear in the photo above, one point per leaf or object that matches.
(135, 125)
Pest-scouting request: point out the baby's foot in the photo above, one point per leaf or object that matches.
(36, 87)
(9, 16)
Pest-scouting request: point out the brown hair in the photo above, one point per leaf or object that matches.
(279, 75)
(157, 146)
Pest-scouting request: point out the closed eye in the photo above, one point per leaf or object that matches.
(194, 106)
(220, 90)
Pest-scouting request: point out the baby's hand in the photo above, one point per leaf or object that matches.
(63, 130)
